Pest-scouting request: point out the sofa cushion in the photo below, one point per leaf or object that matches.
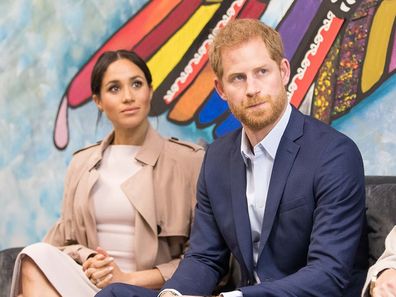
(381, 212)
(7, 259)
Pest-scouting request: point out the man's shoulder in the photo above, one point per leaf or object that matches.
(321, 130)
(227, 141)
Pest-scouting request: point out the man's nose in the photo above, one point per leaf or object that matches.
(252, 87)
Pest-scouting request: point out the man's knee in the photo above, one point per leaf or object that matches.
(124, 290)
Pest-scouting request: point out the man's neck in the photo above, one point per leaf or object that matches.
(256, 136)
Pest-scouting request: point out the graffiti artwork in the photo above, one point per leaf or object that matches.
(340, 51)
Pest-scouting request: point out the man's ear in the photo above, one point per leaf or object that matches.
(97, 102)
(285, 71)
(219, 88)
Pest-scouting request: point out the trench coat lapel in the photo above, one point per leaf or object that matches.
(89, 180)
(139, 190)
(239, 206)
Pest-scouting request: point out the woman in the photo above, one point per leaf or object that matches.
(128, 200)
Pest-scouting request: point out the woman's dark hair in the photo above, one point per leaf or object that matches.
(107, 58)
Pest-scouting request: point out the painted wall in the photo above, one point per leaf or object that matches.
(343, 58)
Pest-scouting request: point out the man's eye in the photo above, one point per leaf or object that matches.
(238, 77)
(263, 71)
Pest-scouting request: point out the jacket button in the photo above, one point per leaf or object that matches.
(159, 229)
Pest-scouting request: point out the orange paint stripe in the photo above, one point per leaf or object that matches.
(193, 98)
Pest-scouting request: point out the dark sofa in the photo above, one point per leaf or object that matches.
(381, 217)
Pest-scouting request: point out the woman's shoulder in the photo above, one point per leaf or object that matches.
(87, 150)
(183, 145)
(176, 146)
(182, 151)
(85, 155)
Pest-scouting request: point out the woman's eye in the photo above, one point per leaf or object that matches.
(114, 89)
(137, 84)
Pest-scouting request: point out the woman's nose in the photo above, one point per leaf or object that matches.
(127, 96)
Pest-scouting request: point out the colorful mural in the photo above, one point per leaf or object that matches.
(342, 54)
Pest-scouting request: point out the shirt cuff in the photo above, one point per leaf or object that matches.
(173, 291)
(232, 294)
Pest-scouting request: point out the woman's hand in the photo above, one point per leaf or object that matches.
(99, 268)
(102, 271)
(385, 286)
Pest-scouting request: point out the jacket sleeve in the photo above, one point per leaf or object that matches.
(386, 261)
(61, 234)
(168, 269)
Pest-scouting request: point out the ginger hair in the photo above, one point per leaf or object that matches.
(242, 30)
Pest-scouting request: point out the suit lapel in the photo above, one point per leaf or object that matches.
(285, 156)
(239, 206)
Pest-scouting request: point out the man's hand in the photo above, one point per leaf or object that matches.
(385, 286)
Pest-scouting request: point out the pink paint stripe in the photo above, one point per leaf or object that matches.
(392, 64)
(61, 132)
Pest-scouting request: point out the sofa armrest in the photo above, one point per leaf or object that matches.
(7, 260)
(380, 210)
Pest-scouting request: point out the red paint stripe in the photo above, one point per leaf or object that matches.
(176, 19)
(253, 9)
(125, 38)
(315, 62)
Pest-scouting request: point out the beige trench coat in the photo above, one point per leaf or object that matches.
(387, 260)
(162, 193)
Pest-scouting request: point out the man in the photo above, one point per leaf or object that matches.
(284, 194)
(381, 278)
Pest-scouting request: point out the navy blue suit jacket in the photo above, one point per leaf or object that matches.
(313, 222)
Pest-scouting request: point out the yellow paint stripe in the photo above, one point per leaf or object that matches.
(380, 33)
(162, 63)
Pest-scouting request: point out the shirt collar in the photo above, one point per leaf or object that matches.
(270, 142)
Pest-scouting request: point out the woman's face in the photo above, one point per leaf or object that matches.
(124, 95)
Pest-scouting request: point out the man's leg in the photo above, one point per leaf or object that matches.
(124, 290)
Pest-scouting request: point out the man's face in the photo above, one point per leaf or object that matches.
(253, 84)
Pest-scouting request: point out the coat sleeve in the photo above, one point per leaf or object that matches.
(169, 268)
(386, 261)
(61, 234)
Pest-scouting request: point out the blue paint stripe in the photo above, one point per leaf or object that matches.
(212, 109)
(230, 124)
